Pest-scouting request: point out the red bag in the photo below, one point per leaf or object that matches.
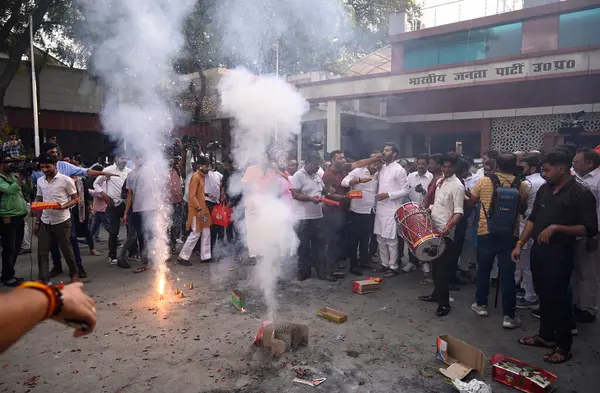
(221, 215)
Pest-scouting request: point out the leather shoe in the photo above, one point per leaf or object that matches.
(442, 311)
(329, 277)
(454, 287)
(428, 298)
(356, 271)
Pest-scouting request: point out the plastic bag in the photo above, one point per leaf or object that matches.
(221, 215)
(474, 386)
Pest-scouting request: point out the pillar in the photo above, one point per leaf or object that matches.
(408, 145)
(334, 126)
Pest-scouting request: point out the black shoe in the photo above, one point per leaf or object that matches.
(329, 277)
(123, 264)
(82, 273)
(577, 310)
(303, 276)
(454, 287)
(12, 282)
(183, 262)
(25, 251)
(357, 271)
(442, 311)
(55, 273)
(584, 317)
(427, 298)
(536, 314)
(494, 282)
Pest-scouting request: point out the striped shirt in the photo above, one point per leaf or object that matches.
(572, 205)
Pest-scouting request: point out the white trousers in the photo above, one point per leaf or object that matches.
(253, 235)
(388, 252)
(526, 277)
(190, 243)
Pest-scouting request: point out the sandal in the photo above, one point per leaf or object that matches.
(536, 341)
(426, 281)
(380, 269)
(558, 356)
(391, 273)
(141, 269)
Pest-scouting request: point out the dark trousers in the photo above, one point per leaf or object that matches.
(12, 230)
(373, 244)
(311, 235)
(488, 247)
(138, 220)
(335, 223)
(55, 248)
(131, 242)
(216, 231)
(115, 214)
(551, 268)
(75, 246)
(441, 272)
(100, 218)
(61, 234)
(175, 224)
(360, 228)
(460, 232)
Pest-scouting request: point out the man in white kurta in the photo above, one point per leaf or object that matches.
(393, 187)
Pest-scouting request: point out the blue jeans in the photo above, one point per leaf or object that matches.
(489, 247)
(99, 218)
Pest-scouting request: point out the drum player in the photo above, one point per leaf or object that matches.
(446, 212)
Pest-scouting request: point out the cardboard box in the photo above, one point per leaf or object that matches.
(332, 315)
(460, 356)
(520, 375)
(364, 286)
(238, 300)
(281, 337)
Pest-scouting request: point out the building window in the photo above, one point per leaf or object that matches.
(579, 29)
(462, 46)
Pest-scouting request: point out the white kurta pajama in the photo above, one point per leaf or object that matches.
(392, 180)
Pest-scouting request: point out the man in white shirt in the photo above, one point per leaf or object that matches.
(361, 215)
(392, 188)
(586, 273)
(531, 171)
(307, 186)
(113, 197)
(419, 180)
(212, 192)
(446, 212)
(55, 225)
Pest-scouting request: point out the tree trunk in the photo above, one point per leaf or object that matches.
(19, 48)
(200, 95)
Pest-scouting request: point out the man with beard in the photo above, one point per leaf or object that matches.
(55, 225)
(563, 210)
(392, 187)
(335, 217)
(110, 190)
(198, 221)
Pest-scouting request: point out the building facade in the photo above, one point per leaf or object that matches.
(504, 82)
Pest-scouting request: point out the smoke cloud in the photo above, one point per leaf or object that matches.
(134, 42)
(268, 113)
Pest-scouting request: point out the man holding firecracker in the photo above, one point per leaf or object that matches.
(362, 213)
(54, 225)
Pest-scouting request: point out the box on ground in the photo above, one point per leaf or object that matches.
(364, 286)
(520, 375)
(281, 337)
(460, 356)
(332, 315)
(238, 300)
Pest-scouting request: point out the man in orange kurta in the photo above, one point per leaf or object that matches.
(198, 217)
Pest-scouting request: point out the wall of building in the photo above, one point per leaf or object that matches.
(528, 132)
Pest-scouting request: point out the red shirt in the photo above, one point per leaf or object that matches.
(333, 179)
(174, 189)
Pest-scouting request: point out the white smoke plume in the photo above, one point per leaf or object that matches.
(267, 113)
(134, 42)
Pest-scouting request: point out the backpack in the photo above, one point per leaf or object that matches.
(505, 207)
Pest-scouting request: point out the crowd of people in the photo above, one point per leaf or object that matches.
(534, 221)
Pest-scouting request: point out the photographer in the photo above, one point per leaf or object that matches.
(13, 210)
(14, 147)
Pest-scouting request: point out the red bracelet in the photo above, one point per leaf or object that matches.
(53, 294)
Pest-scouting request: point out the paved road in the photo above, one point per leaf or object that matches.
(202, 344)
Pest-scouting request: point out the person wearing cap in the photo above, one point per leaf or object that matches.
(13, 210)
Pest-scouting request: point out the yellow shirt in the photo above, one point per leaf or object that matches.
(484, 190)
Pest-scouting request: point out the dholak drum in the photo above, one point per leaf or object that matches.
(423, 238)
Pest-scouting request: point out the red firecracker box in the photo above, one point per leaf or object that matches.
(520, 375)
